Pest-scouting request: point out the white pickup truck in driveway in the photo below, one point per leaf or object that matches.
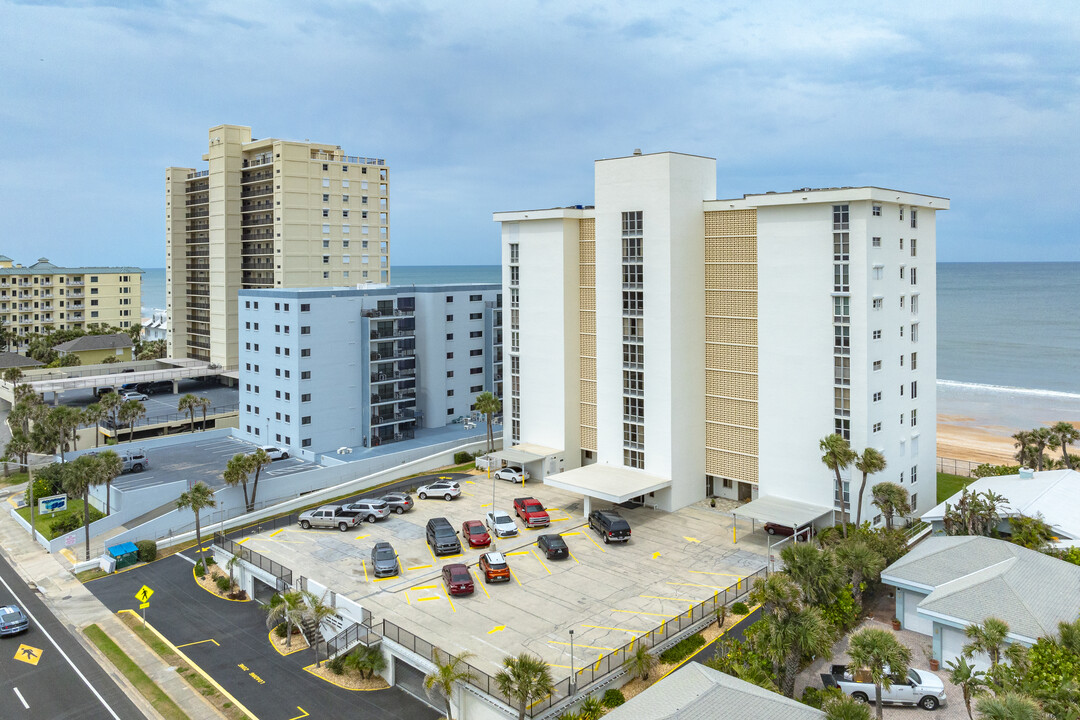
(921, 687)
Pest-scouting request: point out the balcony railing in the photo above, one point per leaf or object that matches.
(255, 207)
(193, 317)
(198, 344)
(200, 187)
(377, 377)
(203, 332)
(197, 253)
(381, 334)
(196, 305)
(256, 177)
(256, 266)
(248, 222)
(252, 192)
(197, 201)
(257, 235)
(198, 265)
(197, 214)
(352, 159)
(202, 227)
(199, 174)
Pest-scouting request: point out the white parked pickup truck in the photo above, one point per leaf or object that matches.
(921, 687)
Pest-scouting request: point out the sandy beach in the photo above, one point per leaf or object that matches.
(961, 438)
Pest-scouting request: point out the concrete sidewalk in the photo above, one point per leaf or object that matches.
(76, 608)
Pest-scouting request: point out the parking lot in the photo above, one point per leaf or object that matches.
(158, 405)
(199, 460)
(607, 594)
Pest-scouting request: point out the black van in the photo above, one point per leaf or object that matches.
(442, 538)
(610, 525)
(153, 388)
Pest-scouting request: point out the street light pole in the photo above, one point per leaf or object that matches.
(573, 684)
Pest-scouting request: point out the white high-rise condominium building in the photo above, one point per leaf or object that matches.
(666, 345)
(265, 214)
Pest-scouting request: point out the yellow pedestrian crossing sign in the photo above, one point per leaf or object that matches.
(144, 594)
(28, 654)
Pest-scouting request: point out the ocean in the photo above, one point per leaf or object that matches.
(1008, 334)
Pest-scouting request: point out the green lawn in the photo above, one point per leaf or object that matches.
(13, 479)
(142, 682)
(42, 522)
(949, 485)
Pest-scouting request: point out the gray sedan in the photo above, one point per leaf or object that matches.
(384, 562)
(399, 502)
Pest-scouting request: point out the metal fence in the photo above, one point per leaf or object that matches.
(952, 466)
(176, 417)
(262, 562)
(350, 637)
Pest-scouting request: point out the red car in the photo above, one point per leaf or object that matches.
(457, 579)
(805, 532)
(475, 533)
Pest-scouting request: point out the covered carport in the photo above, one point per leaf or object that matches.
(780, 511)
(531, 457)
(607, 482)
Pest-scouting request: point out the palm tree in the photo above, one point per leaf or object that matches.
(786, 642)
(13, 375)
(1066, 435)
(1069, 636)
(641, 662)
(203, 403)
(78, 477)
(777, 594)
(987, 638)
(871, 461)
(110, 466)
(862, 562)
(110, 403)
(487, 403)
(446, 675)
(19, 446)
(231, 567)
(875, 650)
(45, 436)
(129, 412)
(1009, 706)
(845, 707)
(288, 608)
(65, 421)
(92, 415)
(200, 496)
(236, 473)
(187, 404)
(837, 455)
(317, 610)
(1041, 437)
(1023, 443)
(891, 499)
(256, 461)
(524, 679)
(814, 570)
(970, 681)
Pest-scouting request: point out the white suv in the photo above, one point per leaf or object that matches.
(446, 489)
(370, 510)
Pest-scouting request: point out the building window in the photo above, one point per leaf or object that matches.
(449, 336)
(476, 333)
(305, 420)
(841, 339)
(877, 334)
(305, 352)
(877, 211)
(476, 316)
(914, 223)
(305, 329)
(841, 310)
(476, 371)
(841, 282)
(879, 272)
(914, 275)
(476, 388)
(914, 418)
(914, 389)
(449, 411)
(901, 212)
(450, 355)
(841, 370)
(877, 365)
(633, 355)
(840, 217)
(305, 307)
(877, 427)
(842, 427)
(914, 361)
(914, 332)
(306, 397)
(841, 246)
(875, 242)
(305, 374)
(305, 442)
(449, 393)
(449, 318)
(476, 298)
(634, 459)
(841, 401)
(877, 303)
(914, 304)
(877, 396)
(476, 352)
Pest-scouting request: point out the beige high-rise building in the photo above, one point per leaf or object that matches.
(266, 214)
(45, 296)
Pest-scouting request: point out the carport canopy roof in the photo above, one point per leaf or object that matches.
(521, 454)
(607, 482)
(782, 511)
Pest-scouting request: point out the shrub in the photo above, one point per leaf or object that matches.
(841, 614)
(613, 697)
(73, 521)
(223, 583)
(682, 649)
(1069, 555)
(591, 709)
(988, 470)
(281, 629)
(210, 560)
(811, 696)
(199, 569)
(336, 664)
(147, 550)
(462, 457)
(740, 608)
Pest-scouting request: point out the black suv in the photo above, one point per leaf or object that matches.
(442, 538)
(610, 525)
(153, 388)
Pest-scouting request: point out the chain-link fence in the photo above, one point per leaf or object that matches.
(952, 466)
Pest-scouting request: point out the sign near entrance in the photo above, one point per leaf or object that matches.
(144, 594)
(52, 504)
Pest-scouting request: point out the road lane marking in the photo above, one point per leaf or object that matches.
(277, 532)
(418, 567)
(305, 713)
(200, 642)
(19, 695)
(62, 653)
(496, 629)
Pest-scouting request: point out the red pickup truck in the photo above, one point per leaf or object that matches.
(532, 512)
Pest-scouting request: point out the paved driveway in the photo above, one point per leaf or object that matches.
(229, 641)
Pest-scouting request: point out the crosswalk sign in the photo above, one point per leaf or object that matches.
(144, 594)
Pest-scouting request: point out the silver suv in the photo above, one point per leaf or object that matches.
(329, 516)
(370, 510)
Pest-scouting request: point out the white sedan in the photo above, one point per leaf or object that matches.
(501, 523)
(275, 453)
(512, 474)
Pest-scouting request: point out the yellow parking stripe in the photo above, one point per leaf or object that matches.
(447, 596)
(595, 543)
(425, 587)
(480, 582)
(703, 572)
(361, 537)
(712, 587)
(418, 567)
(572, 556)
(541, 562)
(661, 597)
(407, 597)
(577, 645)
(363, 564)
(276, 532)
(604, 627)
(515, 575)
(517, 552)
(639, 612)
(428, 598)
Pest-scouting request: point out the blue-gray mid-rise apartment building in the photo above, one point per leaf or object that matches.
(329, 368)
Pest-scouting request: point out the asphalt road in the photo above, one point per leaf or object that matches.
(735, 632)
(32, 691)
(229, 641)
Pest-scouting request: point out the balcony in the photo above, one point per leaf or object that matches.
(76, 293)
(256, 252)
(198, 279)
(197, 253)
(249, 235)
(392, 314)
(77, 283)
(381, 334)
(391, 377)
(199, 174)
(197, 201)
(75, 305)
(198, 343)
(394, 355)
(198, 188)
(251, 221)
(348, 159)
(256, 206)
(197, 214)
(199, 291)
(201, 227)
(255, 177)
(197, 305)
(199, 317)
(203, 332)
(268, 267)
(256, 191)
(258, 161)
(196, 265)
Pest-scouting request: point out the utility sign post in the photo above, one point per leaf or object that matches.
(143, 596)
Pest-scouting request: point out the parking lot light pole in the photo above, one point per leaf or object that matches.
(573, 679)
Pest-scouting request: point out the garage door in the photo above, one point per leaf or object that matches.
(912, 619)
(952, 645)
(410, 679)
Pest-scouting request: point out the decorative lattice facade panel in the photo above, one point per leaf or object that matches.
(731, 303)
(588, 438)
(742, 386)
(731, 357)
(731, 411)
(736, 467)
(729, 437)
(737, 331)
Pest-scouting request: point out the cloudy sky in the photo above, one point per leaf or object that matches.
(484, 106)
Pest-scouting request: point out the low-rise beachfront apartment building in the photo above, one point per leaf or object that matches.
(327, 368)
(265, 214)
(671, 346)
(43, 295)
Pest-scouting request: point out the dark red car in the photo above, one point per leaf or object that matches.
(805, 532)
(457, 579)
(475, 533)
